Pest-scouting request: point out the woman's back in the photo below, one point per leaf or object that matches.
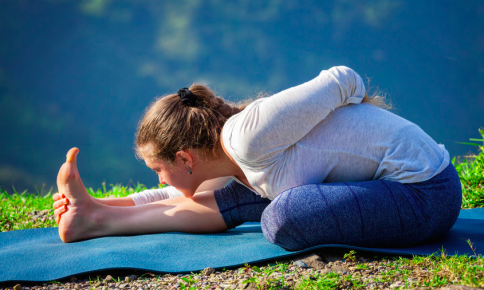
(355, 142)
(361, 142)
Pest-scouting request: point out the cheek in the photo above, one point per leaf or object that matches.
(171, 177)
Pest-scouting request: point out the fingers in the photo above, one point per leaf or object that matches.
(57, 196)
(58, 212)
(60, 203)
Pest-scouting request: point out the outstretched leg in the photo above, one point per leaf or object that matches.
(85, 218)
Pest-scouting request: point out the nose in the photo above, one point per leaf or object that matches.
(160, 179)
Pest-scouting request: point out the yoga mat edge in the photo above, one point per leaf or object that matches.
(38, 255)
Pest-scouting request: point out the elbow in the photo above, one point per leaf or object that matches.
(351, 85)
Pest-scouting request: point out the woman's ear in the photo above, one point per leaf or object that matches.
(186, 157)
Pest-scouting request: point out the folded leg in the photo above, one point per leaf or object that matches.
(374, 213)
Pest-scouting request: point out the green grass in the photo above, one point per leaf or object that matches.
(471, 173)
(18, 209)
(419, 271)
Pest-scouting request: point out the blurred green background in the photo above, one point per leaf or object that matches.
(80, 73)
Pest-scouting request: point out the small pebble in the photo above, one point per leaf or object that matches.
(207, 271)
(17, 287)
(300, 263)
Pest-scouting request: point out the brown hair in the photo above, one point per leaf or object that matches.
(377, 98)
(170, 126)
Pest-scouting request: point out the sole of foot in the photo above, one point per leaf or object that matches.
(77, 223)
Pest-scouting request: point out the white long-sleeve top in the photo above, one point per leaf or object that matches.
(152, 195)
(320, 132)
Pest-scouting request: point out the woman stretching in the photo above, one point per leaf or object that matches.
(315, 164)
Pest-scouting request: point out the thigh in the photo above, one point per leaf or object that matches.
(372, 214)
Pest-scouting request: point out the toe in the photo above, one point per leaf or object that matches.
(72, 155)
(68, 170)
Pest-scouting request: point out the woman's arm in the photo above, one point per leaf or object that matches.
(142, 197)
(60, 200)
(269, 126)
(152, 195)
(117, 201)
(149, 195)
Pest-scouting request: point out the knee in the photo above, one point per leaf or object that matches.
(277, 226)
(268, 224)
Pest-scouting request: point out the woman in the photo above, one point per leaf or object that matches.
(313, 163)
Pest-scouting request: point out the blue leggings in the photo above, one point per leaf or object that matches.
(376, 213)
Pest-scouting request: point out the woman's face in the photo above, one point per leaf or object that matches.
(174, 174)
(167, 174)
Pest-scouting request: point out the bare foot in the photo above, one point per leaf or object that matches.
(78, 222)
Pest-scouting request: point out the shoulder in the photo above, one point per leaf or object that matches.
(238, 130)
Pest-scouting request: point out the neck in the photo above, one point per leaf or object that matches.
(221, 167)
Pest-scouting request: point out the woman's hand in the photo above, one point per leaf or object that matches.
(60, 205)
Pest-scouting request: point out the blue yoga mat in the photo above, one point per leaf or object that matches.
(39, 255)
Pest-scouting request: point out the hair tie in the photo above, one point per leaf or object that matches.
(187, 97)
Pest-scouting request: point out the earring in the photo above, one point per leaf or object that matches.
(189, 170)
